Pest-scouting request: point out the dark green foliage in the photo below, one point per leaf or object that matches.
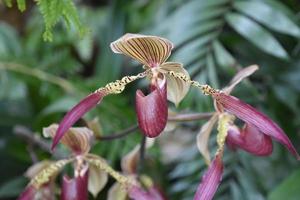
(40, 81)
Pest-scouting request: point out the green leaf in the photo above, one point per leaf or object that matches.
(267, 15)
(8, 3)
(256, 34)
(21, 5)
(223, 57)
(289, 189)
(13, 187)
(54, 10)
(60, 105)
(212, 72)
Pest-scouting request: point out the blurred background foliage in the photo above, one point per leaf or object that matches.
(41, 80)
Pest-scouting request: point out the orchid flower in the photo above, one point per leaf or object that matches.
(90, 171)
(255, 137)
(151, 109)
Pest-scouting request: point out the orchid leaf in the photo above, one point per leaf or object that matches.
(212, 71)
(288, 189)
(223, 57)
(266, 15)
(257, 35)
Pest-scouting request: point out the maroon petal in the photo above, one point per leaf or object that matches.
(137, 193)
(152, 110)
(250, 139)
(75, 188)
(251, 116)
(210, 180)
(28, 193)
(76, 113)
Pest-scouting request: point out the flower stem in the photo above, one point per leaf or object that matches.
(119, 134)
(142, 155)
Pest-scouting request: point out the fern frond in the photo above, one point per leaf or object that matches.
(54, 10)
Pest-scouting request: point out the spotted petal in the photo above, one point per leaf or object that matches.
(210, 180)
(176, 88)
(76, 113)
(152, 110)
(250, 139)
(251, 116)
(148, 50)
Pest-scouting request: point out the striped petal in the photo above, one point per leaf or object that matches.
(250, 139)
(210, 180)
(76, 139)
(76, 113)
(148, 50)
(251, 116)
(75, 188)
(152, 110)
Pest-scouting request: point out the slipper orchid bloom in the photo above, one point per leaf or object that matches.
(90, 171)
(151, 109)
(255, 137)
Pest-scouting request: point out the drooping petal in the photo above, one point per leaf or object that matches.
(76, 113)
(210, 180)
(176, 88)
(250, 139)
(28, 193)
(97, 180)
(251, 116)
(76, 139)
(75, 188)
(137, 193)
(148, 50)
(241, 75)
(152, 110)
(203, 138)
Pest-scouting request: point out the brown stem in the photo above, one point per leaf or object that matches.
(33, 139)
(119, 134)
(142, 155)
